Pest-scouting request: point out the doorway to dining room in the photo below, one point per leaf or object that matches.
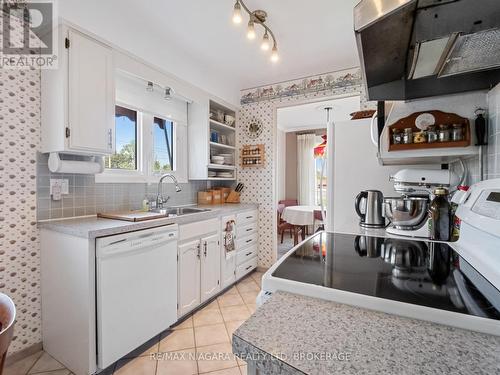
(301, 138)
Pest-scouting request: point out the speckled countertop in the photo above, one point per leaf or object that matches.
(93, 227)
(294, 334)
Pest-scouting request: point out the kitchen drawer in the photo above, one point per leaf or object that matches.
(247, 229)
(245, 268)
(243, 255)
(247, 217)
(247, 241)
(198, 229)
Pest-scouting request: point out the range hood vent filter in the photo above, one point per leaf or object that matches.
(473, 52)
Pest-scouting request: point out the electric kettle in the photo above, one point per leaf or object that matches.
(369, 207)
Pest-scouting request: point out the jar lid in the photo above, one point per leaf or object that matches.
(440, 191)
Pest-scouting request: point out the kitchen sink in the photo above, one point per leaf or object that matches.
(180, 211)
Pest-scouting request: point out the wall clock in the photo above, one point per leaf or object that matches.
(254, 128)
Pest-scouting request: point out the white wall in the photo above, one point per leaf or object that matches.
(124, 28)
(356, 169)
(281, 164)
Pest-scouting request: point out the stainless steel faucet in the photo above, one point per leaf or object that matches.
(160, 199)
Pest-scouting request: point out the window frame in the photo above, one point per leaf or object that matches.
(145, 152)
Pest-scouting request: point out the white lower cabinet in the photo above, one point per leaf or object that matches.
(198, 264)
(210, 267)
(189, 268)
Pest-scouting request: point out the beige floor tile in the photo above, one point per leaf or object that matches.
(22, 366)
(232, 326)
(56, 372)
(233, 313)
(46, 363)
(207, 317)
(227, 371)
(187, 323)
(257, 276)
(215, 357)
(139, 365)
(177, 363)
(250, 297)
(252, 307)
(232, 290)
(209, 335)
(212, 305)
(247, 286)
(230, 300)
(152, 346)
(177, 340)
(243, 370)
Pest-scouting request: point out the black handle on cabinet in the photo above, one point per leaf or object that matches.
(205, 249)
(199, 251)
(247, 254)
(247, 241)
(246, 269)
(249, 229)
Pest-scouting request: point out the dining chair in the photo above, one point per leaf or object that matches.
(318, 218)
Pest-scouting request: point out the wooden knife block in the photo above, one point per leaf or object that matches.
(233, 197)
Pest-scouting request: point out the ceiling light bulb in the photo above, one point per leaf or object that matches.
(251, 30)
(265, 42)
(150, 87)
(237, 13)
(274, 55)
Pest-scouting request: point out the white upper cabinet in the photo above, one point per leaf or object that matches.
(78, 98)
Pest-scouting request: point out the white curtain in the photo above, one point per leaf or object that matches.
(306, 171)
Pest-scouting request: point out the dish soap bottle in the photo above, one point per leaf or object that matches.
(440, 216)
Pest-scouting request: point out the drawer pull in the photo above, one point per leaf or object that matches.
(249, 229)
(247, 254)
(250, 240)
(246, 269)
(249, 217)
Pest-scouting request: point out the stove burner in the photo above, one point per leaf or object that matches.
(411, 271)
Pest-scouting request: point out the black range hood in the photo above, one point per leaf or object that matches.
(419, 48)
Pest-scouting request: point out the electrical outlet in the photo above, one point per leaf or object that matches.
(58, 187)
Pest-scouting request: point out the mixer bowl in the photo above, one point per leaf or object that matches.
(407, 213)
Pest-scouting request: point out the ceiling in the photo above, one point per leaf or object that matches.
(313, 37)
(313, 115)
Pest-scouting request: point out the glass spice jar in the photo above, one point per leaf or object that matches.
(397, 137)
(419, 137)
(408, 136)
(444, 133)
(457, 133)
(432, 135)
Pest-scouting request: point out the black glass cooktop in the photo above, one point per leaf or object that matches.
(411, 271)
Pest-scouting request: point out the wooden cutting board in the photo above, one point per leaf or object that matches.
(131, 215)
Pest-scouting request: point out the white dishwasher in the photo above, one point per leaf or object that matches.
(136, 289)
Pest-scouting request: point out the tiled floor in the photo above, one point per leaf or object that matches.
(201, 344)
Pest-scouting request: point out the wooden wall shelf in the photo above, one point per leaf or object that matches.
(442, 118)
(252, 156)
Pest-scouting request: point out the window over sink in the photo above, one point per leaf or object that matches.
(150, 134)
(125, 156)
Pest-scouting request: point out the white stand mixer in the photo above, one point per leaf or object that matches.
(408, 213)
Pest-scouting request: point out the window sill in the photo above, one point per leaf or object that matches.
(133, 177)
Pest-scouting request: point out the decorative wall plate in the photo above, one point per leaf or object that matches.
(254, 128)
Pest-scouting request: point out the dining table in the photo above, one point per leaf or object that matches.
(301, 217)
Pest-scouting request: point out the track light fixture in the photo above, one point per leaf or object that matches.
(257, 17)
(168, 93)
(150, 87)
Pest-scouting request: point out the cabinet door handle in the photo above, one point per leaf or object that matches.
(249, 229)
(249, 217)
(247, 254)
(205, 249)
(110, 139)
(250, 240)
(246, 269)
(199, 251)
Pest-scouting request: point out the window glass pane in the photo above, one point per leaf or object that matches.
(125, 156)
(163, 145)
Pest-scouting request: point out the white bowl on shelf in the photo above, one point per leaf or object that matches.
(217, 159)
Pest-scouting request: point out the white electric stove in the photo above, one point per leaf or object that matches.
(456, 284)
